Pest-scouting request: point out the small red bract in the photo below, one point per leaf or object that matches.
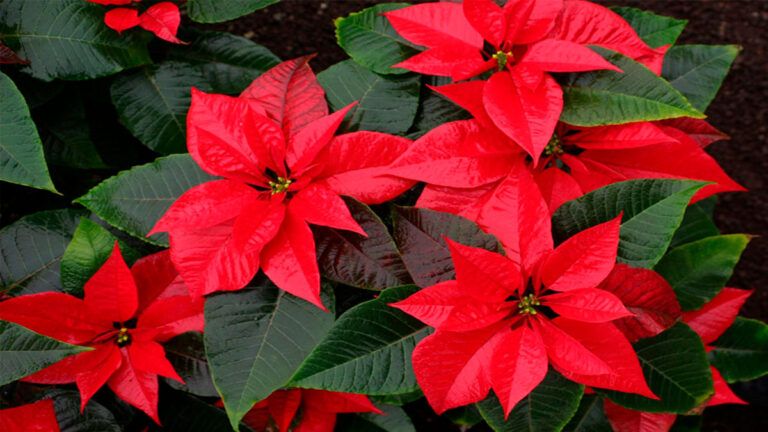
(124, 317)
(35, 417)
(316, 410)
(162, 19)
(522, 41)
(283, 169)
(502, 321)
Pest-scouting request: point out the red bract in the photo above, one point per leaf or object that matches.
(124, 317)
(528, 38)
(34, 417)
(500, 323)
(317, 410)
(162, 19)
(627, 420)
(283, 169)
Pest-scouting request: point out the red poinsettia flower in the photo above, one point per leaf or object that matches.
(162, 18)
(504, 319)
(521, 41)
(316, 409)
(35, 417)
(283, 169)
(124, 317)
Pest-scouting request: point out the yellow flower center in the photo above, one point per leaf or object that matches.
(502, 58)
(281, 185)
(527, 305)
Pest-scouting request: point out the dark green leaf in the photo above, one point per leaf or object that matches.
(153, 103)
(687, 423)
(655, 30)
(420, 236)
(371, 41)
(31, 250)
(653, 210)
(608, 97)
(213, 11)
(21, 151)
(676, 369)
(698, 71)
(371, 262)
(399, 399)
(547, 408)
(95, 417)
(386, 103)
(589, 417)
(67, 39)
(699, 270)
(134, 200)
(368, 350)
(187, 355)
(24, 352)
(697, 223)
(256, 338)
(741, 353)
(230, 63)
(434, 109)
(91, 245)
(394, 419)
(180, 412)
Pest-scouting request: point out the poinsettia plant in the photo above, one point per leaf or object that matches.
(495, 215)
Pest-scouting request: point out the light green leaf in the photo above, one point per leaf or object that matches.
(214, 11)
(134, 200)
(256, 338)
(67, 39)
(608, 97)
(368, 350)
(698, 71)
(31, 249)
(90, 247)
(371, 41)
(655, 30)
(653, 210)
(699, 270)
(21, 151)
(24, 352)
(741, 353)
(386, 103)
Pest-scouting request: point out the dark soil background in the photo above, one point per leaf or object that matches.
(297, 27)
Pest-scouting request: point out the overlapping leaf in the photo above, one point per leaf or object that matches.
(655, 30)
(698, 71)
(213, 11)
(394, 419)
(741, 353)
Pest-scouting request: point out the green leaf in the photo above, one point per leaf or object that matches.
(67, 39)
(547, 408)
(134, 200)
(655, 30)
(68, 140)
(186, 353)
(180, 412)
(608, 97)
(24, 352)
(434, 109)
(90, 247)
(420, 236)
(21, 151)
(229, 63)
(31, 250)
(256, 338)
(95, 417)
(741, 353)
(699, 270)
(697, 223)
(386, 103)
(676, 368)
(589, 417)
(214, 11)
(371, 262)
(394, 419)
(367, 351)
(653, 210)
(698, 71)
(153, 102)
(371, 41)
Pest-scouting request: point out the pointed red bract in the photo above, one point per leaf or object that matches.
(163, 20)
(723, 393)
(305, 410)
(122, 332)
(518, 366)
(283, 169)
(627, 420)
(122, 19)
(35, 417)
(714, 318)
